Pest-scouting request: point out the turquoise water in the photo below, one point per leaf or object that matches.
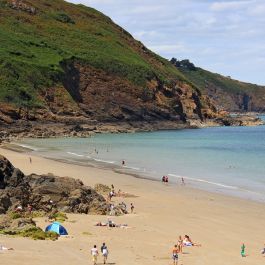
(229, 160)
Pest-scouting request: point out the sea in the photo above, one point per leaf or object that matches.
(227, 160)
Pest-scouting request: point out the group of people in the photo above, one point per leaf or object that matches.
(95, 253)
(178, 248)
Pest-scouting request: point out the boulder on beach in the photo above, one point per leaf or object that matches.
(46, 193)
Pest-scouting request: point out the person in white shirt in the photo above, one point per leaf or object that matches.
(94, 254)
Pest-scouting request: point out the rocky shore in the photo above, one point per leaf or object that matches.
(86, 128)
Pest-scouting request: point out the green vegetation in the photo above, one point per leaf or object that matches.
(34, 47)
(201, 78)
(35, 233)
(59, 217)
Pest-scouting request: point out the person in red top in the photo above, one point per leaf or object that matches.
(175, 256)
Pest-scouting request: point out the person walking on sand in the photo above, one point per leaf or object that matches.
(175, 255)
(105, 252)
(132, 208)
(30, 160)
(94, 254)
(243, 249)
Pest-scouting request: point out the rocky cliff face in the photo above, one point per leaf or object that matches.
(46, 192)
(227, 94)
(86, 70)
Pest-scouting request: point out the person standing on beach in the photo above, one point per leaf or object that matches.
(94, 254)
(132, 208)
(180, 244)
(175, 255)
(105, 252)
(30, 160)
(243, 249)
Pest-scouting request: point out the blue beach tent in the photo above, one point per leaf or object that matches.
(57, 228)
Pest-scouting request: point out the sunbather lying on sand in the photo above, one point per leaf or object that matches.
(187, 242)
(5, 248)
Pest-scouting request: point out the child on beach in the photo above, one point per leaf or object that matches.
(175, 256)
(94, 254)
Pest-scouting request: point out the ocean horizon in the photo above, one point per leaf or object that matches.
(228, 160)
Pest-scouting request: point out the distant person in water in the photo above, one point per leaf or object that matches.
(243, 249)
(123, 162)
(182, 181)
(166, 179)
(163, 179)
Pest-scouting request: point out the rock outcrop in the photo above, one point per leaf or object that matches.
(46, 192)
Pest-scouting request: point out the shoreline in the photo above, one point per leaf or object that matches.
(220, 223)
(202, 185)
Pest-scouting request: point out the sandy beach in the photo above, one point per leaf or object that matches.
(162, 213)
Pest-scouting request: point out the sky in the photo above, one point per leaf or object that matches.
(223, 36)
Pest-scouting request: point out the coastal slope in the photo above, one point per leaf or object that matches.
(227, 93)
(69, 63)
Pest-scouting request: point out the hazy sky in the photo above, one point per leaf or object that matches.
(224, 36)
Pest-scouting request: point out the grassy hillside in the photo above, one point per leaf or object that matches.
(38, 36)
(228, 93)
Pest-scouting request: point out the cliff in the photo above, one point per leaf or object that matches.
(61, 62)
(227, 93)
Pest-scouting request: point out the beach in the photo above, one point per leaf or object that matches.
(162, 212)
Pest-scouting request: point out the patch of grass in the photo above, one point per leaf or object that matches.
(35, 233)
(33, 48)
(14, 215)
(86, 234)
(59, 217)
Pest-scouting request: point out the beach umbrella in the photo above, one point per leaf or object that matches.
(57, 228)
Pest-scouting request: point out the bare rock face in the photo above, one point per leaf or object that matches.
(46, 192)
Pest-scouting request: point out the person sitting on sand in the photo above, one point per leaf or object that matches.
(175, 256)
(4, 248)
(19, 208)
(111, 223)
(263, 250)
(187, 242)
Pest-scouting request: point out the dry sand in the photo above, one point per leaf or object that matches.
(162, 213)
